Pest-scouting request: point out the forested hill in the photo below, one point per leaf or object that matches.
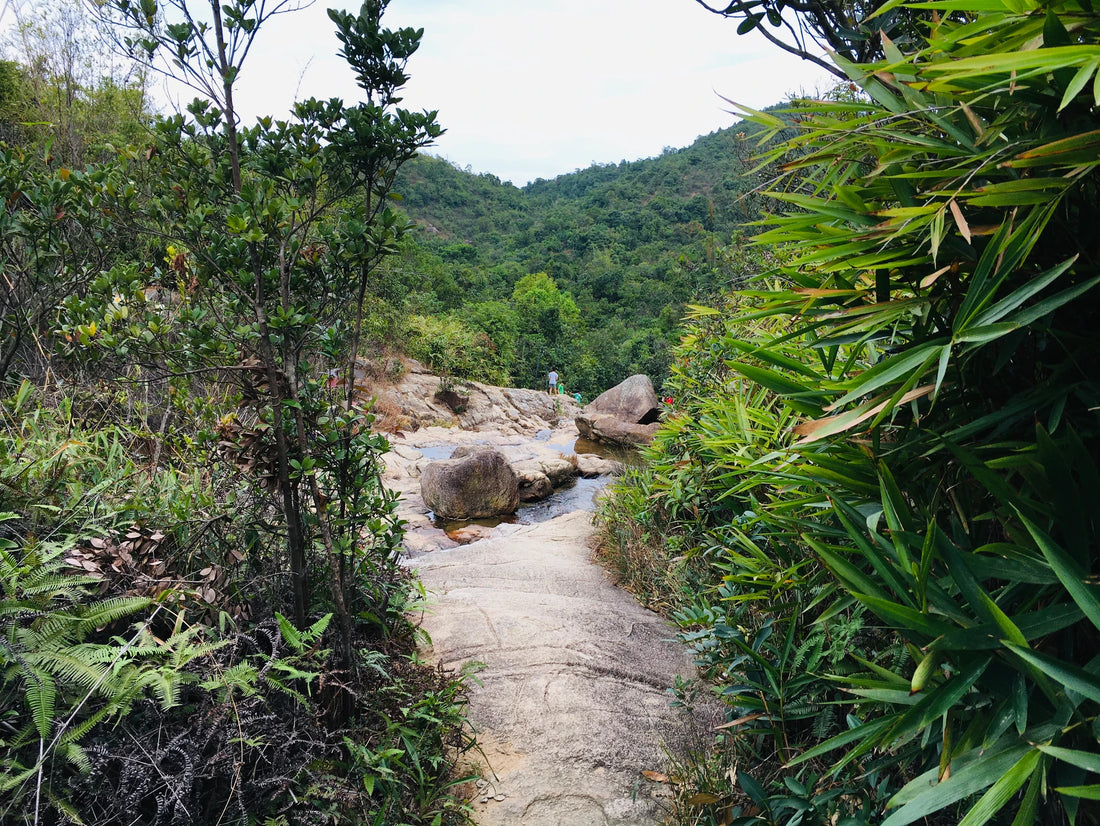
(629, 242)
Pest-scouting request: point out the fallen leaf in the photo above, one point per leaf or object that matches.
(656, 777)
(703, 799)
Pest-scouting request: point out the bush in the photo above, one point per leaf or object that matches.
(926, 339)
(452, 348)
(144, 672)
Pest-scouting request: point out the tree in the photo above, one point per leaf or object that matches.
(79, 95)
(53, 242)
(808, 28)
(549, 327)
(275, 226)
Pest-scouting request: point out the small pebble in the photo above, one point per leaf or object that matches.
(481, 784)
(499, 797)
(484, 800)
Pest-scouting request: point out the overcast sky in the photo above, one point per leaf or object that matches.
(537, 89)
(530, 89)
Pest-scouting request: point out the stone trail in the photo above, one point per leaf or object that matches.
(572, 704)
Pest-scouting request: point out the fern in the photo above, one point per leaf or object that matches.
(240, 677)
(40, 695)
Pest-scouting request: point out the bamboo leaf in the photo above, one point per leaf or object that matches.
(1069, 573)
(1035, 285)
(1078, 83)
(1087, 760)
(960, 222)
(1084, 792)
(831, 425)
(903, 618)
(1002, 791)
(1070, 676)
(915, 361)
(930, 796)
(1080, 148)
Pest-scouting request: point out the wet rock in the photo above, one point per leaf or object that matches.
(534, 486)
(590, 466)
(475, 483)
(470, 533)
(539, 476)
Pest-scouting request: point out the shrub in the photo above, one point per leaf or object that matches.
(927, 337)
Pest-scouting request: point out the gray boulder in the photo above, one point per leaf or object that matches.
(627, 414)
(633, 400)
(611, 431)
(590, 466)
(476, 482)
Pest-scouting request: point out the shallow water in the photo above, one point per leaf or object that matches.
(578, 496)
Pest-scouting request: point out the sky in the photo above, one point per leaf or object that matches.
(532, 90)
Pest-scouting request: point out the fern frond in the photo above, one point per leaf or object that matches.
(58, 585)
(165, 683)
(13, 779)
(40, 693)
(69, 665)
(241, 676)
(75, 755)
(76, 731)
(317, 629)
(290, 634)
(105, 612)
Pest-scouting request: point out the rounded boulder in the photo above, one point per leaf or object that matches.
(474, 483)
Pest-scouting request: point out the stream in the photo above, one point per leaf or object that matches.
(426, 533)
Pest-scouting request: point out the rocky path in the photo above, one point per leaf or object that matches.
(572, 705)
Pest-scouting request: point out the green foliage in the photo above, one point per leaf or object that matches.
(51, 239)
(72, 95)
(193, 403)
(454, 348)
(407, 764)
(278, 232)
(106, 723)
(926, 341)
(629, 243)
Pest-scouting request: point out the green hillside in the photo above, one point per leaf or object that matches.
(630, 243)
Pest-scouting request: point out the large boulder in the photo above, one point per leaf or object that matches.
(627, 414)
(633, 400)
(589, 465)
(611, 431)
(409, 397)
(475, 483)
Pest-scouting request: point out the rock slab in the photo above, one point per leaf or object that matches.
(572, 703)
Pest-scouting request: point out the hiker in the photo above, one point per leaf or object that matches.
(552, 382)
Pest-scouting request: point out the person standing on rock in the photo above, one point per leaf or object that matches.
(552, 382)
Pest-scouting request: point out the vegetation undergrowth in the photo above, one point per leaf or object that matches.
(203, 617)
(146, 677)
(876, 481)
